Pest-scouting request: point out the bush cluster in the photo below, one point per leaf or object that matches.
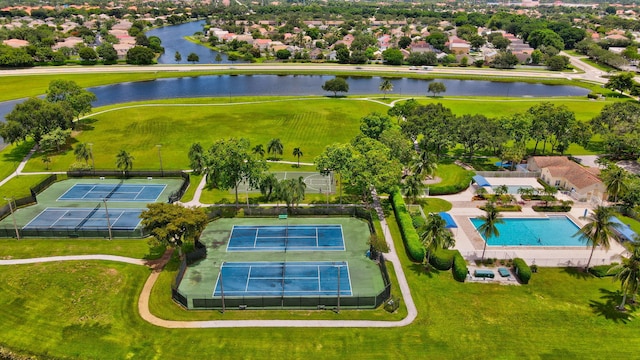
(522, 270)
(442, 259)
(460, 269)
(409, 233)
(554, 208)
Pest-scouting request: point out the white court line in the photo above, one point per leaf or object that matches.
(246, 286)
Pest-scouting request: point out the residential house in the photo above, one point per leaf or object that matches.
(16, 43)
(458, 46)
(582, 183)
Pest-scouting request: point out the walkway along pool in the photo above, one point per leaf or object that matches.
(551, 231)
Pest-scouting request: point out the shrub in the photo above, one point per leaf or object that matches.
(409, 233)
(602, 270)
(418, 221)
(554, 208)
(442, 259)
(522, 270)
(460, 269)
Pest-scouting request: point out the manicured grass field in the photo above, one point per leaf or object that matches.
(92, 306)
(432, 205)
(451, 175)
(308, 124)
(27, 248)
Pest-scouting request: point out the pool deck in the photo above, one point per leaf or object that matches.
(470, 243)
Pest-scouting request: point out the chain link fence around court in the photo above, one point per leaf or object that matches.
(72, 232)
(207, 301)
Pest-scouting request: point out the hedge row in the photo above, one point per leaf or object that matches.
(409, 233)
(442, 259)
(522, 270)
(460, 269)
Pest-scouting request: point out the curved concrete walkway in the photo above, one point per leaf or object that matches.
(116, 258)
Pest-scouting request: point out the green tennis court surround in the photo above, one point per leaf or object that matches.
(289, 279)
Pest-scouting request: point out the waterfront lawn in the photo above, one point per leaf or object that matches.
(89, 310)
(27, 248)
(308, 124)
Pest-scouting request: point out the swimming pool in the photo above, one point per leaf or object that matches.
(551, 231)
(512, 189)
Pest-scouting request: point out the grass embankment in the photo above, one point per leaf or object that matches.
(19, 187)
(88, 310)
(27, 248)
(308, 124)
(454, 179)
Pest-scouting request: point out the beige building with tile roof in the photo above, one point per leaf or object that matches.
(582, 183)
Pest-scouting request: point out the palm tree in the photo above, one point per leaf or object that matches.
(299, 189)
(413, 187)
(197, 158)
(268, 186)
(297, 152)
(628, 272)
(258, 150)
(46, 160)
(386, 86)
(82, 152)
(275, 147)
(124, 161)
(598, 231)
(616, 179)
(435, 235)
(489, 227)
(424, 164)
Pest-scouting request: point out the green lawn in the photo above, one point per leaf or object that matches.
(633, 223)
(308, 124)
(452, 175)
(11, 156)
(26, 248)
(432, 205)
(92, 307)
(19, 187)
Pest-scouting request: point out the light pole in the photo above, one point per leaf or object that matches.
(106, 209)
(222, 288)
(159, 146)
(13, 217)
(338, 267)
(93, 162)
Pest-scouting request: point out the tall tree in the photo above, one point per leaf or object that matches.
(386, 86)
(268, 185)
(78, 99)
(34, 118)
(258, 150)
(436, 88)
(230, 163)
(298, 153)
(336, 85)
(374, 124)
(628, 273)
(435, 235)
(172, 224)
(82, 151)
(424, 164)
(413, 187)
(337, 158)
(598, 231)
(275, 148)
(197, 158)
(489, 226)
(193, 58)
(124, 161)
(616, 179)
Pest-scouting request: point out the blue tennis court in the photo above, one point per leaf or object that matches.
(88, 219)
(113, 192)
(286, 238)
(283, 279)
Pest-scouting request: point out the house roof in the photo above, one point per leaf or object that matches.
(561, 166)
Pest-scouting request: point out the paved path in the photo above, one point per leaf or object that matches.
(123, 259)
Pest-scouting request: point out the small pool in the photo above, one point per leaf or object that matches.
(551, 231)
(512, 189)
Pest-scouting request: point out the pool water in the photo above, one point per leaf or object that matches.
(513, 189)
(551, 231)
